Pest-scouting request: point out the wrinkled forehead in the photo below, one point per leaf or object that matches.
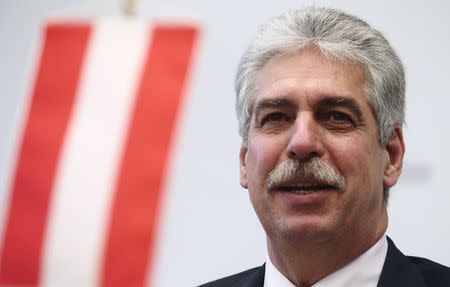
(308, 72)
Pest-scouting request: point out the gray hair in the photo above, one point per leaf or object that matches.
(337, 36)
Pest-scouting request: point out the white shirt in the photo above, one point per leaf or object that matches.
(364, 271)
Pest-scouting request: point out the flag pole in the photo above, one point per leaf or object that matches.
(129, 8)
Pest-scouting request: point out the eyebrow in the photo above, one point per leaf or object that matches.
(272, 103)
(325, 102)
(344, 102)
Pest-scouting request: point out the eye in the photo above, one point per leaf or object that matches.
(274, 118)
(337, 120)
(339, 117)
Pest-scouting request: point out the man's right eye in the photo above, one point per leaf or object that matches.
(274, 118)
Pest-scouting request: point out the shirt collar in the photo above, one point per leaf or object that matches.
(364, 271)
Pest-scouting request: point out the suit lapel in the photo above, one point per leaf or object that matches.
(398, 270)
(255, 279)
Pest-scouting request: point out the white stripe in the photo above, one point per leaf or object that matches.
(87, 172)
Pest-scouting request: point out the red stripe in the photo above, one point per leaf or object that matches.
(133, 226)
(50, 110)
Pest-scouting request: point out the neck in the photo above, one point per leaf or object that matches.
(304, 261)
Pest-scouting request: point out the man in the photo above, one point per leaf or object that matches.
(320, 103)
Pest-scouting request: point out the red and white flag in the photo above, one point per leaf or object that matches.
(87, 184)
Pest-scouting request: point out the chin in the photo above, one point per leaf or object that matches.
(304, 229)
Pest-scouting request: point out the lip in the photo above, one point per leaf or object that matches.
(309, 192)
(303, 183)
(310, 199)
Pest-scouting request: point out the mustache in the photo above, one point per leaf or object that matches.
(314, 168)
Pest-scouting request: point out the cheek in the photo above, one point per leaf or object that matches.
(360, 162)
(262, 157)
(352, 158)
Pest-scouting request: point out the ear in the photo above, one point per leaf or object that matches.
(395, 150)
(243, 165)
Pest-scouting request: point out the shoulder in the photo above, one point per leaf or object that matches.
(401, 270)
(434, 273)
(253, 278)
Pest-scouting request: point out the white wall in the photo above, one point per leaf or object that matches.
(209, 229)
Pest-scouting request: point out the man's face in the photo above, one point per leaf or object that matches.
(308, 108)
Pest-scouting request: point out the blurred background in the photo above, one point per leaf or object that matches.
(207, 228)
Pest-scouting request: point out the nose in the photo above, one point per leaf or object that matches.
(305, 140)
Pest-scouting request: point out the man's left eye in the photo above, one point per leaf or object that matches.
(337, 120)
(339, 117)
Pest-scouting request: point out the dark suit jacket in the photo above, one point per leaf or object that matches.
(398, 271)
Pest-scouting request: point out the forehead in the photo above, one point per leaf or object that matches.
(308, 74)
